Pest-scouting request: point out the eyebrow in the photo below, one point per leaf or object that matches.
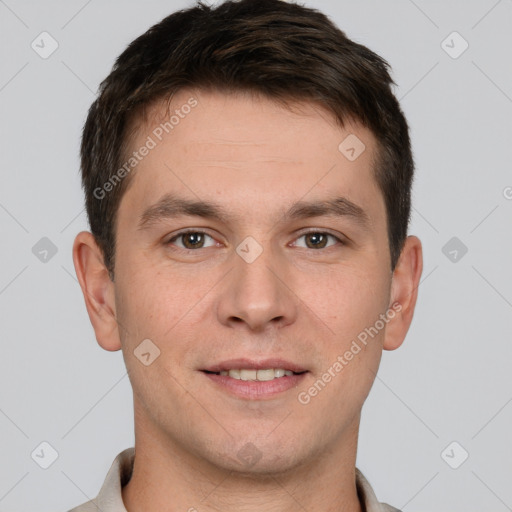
(171, 206)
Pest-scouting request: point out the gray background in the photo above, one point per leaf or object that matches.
(450, 381)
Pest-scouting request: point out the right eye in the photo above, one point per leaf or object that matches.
(190, 240)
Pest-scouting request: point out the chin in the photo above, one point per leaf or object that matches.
(259, 458)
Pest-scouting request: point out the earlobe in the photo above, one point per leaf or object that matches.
(404, 292)
(98, 290)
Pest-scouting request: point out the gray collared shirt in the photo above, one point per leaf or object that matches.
(110, 498)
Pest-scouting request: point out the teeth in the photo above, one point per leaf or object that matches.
(259, 375)
(265, 374)
(248, 374)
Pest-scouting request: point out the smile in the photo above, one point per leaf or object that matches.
(256, 375)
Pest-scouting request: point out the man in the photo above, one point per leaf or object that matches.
(247, 173)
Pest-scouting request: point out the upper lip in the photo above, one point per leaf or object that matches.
(251, 364)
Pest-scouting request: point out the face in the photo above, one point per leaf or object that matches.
(252, 252)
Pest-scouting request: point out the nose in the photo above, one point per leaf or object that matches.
(257, 296)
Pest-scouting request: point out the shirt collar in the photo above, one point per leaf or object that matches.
(110, 497)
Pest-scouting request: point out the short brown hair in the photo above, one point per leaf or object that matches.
(281, 50)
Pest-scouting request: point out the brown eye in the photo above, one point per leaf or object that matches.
(191, 240)
(317, 240)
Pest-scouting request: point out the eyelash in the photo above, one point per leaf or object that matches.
(198, 231)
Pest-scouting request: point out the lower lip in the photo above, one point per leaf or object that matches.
(256, 390)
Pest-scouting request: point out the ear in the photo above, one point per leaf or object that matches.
(404, 292)
(98, 290)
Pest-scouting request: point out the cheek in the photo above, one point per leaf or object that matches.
(158, 303)
(141, 303)
(352, 352)
(348, 300)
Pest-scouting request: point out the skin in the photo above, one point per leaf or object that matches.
(206, 305)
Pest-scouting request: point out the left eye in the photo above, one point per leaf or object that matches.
(317, 240)
(192, 240)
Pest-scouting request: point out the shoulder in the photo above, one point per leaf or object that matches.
(388, 508)
(86, 507)
(367, 495)
(110, 498)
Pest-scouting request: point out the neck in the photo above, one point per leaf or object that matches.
(167, 478)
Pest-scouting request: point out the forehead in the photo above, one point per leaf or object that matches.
(198, 117)
(247, 148)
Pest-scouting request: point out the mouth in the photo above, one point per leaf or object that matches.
(255, 379)
(262, 375)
